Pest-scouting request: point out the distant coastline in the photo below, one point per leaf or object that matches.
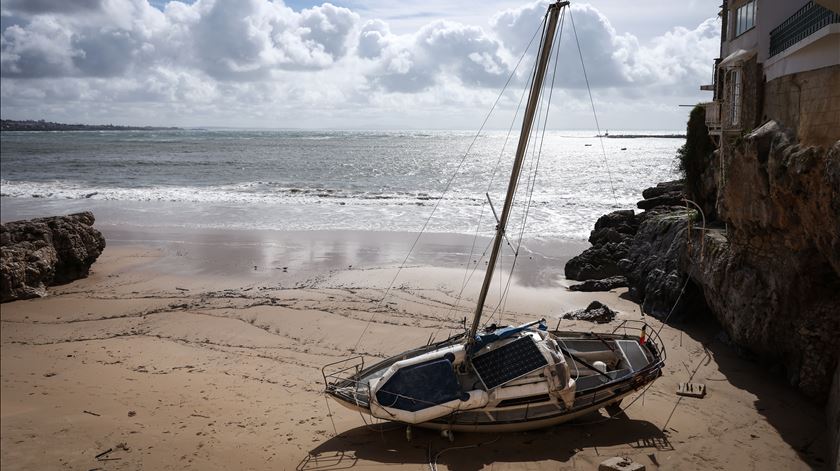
(639, 136)
(41, 125)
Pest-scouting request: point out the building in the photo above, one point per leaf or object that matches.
(779, 60)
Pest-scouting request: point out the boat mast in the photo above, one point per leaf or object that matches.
(527, 122)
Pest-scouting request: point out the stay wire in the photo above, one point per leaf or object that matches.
(535, 167)
(532, 145)
(446, 188)
(467, 270)
(504, 287)
(594, 114)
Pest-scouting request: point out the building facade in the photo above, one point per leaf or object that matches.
(779, 60)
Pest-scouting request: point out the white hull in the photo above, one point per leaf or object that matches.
(520, 404)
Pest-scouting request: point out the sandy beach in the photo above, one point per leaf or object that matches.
(203, 350)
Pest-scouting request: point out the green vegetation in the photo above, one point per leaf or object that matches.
(695, 155)
(41, 125)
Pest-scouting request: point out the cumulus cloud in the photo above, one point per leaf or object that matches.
(439, 51)
(52, 6)
(42, 49)
(225, 39)
(374, 37)
(257, 56)
(679, 57)
(248, 39)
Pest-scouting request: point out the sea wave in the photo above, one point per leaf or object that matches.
(250, 192)
(358, 180)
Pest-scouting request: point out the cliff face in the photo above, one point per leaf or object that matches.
(772, 277)
(768, 267)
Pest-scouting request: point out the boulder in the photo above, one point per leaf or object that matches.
(46, 251)
(664, 200)
(610, 238)
(605, 284)
(672, 187)
(596, 262)
(595, 312)
(663, 194)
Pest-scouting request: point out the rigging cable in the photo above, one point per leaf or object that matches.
(448, 184)
(594, 114)
(532, 139)
(503, 299)
(467, 270)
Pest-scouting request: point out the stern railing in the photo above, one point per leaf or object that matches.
(652, 336)
(342, 372)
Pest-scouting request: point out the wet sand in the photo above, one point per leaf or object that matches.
(198, 350)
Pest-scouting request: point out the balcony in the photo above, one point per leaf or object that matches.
(805, 22)
(713, 116)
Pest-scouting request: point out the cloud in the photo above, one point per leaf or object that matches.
(680, 57)
(41, 49)
(52, 6)
(248, 39)
(374, 37)
(228, 40)
(439, 51)
(515, 26)
(265, 60)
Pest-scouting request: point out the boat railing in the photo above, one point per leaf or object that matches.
(342, 371)
(631, 326)
(652, 340)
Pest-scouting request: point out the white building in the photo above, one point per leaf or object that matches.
(779, 59)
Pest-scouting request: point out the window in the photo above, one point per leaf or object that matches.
(735, 97)
(745, 18)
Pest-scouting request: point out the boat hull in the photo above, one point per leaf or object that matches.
(523, 417)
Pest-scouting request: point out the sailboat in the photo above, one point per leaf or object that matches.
(510, 378)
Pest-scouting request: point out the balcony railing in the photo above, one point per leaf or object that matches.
(712, 115)
(805, 22)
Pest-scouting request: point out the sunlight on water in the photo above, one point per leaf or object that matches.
(293, 180)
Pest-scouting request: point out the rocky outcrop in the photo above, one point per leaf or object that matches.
(606, 284)
(595, 312)
(772, 278)
(652, 264)
(610, 238)
(615, 252)
(663, 194)
(768, 267)
(626, 245)
(46, 251)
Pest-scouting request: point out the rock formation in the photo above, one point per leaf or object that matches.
(772, 277)
(605, 284)
(609, 240)
(595, 312)
(768, 267)
(46, 251)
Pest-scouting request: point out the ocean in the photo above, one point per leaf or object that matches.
(326, 180)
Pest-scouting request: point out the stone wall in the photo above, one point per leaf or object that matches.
(808, 102)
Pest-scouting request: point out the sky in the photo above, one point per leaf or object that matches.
(355, 64)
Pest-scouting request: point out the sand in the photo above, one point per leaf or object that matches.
(200, 351)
